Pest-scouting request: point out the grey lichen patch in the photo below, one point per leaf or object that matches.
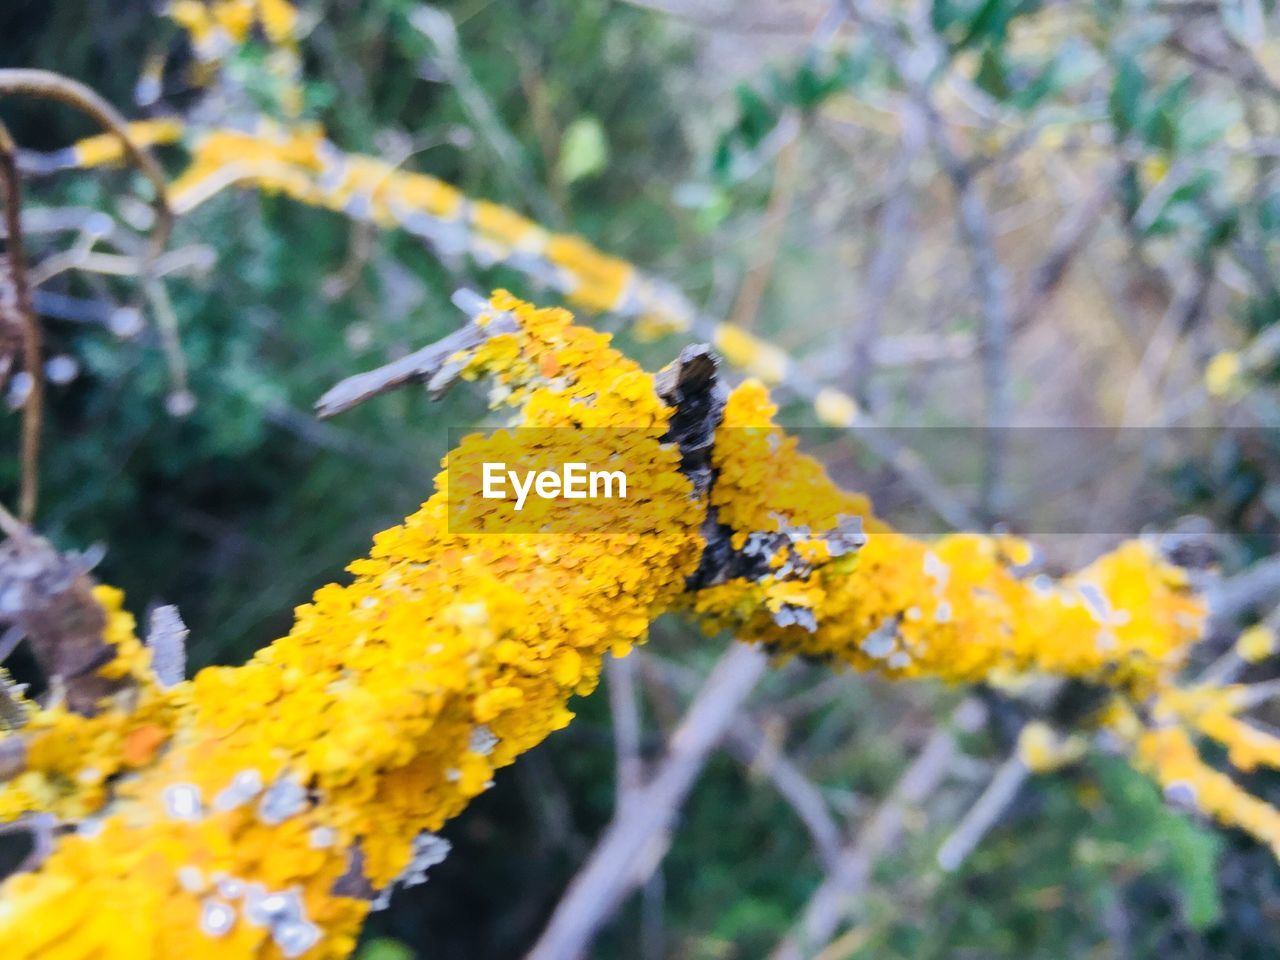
(283, 799)
(182, 801)
(428, 850)
(244, 786)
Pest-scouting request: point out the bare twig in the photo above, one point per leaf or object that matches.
(430, 365)
(15, 256)
(438, 27)
(1064, 245)
(982, 816)
(752, 746)
(886, 264)
(9, 641)
(756, 281)
(53, 86)
(618, 862)
(834, 898)
(727, 17)
(13, 757)
(624, 706)
(47, 85)
(1257, 586)
(991, 285)
(620, 675)
(167, 638)
(1186, 308)
(193, 259)
(41, 827)
(180, 400)
(49, 596)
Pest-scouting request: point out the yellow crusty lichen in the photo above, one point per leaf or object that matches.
(217, 25)
(1043, 749)
(71, 758)
(257, 811)
(385, 709)
(1222, 374)
(217, 28)
(1169, 754)
(956, 608)
(296, 160)
(1256, 643)
(962, 609)
(758, 357)
(834, 408)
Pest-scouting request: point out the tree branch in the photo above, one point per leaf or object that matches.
(618, 862)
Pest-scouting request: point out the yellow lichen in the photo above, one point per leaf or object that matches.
(314, 771)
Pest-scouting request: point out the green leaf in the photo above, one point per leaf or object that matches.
(756, 117)
(1047, 82)
(584, 151)
(988, 22)
(1126, 95)
(992, 76)
(384, 948)
(1268, 213)
(1164, 118)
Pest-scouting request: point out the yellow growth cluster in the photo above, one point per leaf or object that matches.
(1042, 749)
(1256, 643)
(387, 707)
(1169, 754)
(217, 28)
(1230, 373)
(1160, 734)
(257, 811)
(757, 357)
(71, 758)
(300, 163)
(957, 608)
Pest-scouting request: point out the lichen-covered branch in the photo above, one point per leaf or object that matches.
(263, 810)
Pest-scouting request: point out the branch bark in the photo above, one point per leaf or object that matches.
(618, 863)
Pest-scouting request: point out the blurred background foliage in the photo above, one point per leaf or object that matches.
(777, 161)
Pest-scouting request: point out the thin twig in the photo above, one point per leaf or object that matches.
(886, 265)
(1064, 245)
(749, 743)
(728, 18)
(9, 641)
(1256, 586)
(53, 86)
(181, 400)
(756, 282)
(834, 898)
(982, 816)
(624, 706)
(438, 27)
(15, 255)
(618, 862)
(430, 364)
(991, 286)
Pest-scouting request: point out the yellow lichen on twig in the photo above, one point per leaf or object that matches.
(307, 774)
(259, 810)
